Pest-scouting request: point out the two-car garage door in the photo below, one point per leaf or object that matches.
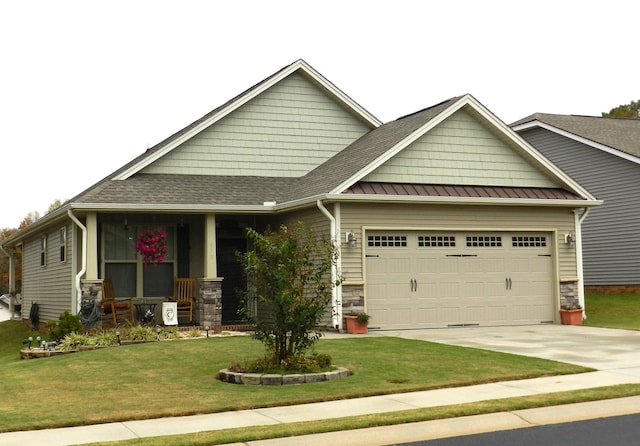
(437, 279)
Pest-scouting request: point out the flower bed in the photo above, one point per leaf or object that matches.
(274, 379)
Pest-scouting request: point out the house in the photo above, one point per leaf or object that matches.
(444, 217)
(603, 155)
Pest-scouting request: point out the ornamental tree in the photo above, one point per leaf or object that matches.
(289, 288)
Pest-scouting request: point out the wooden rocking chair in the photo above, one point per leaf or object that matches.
(184, 293)
(112, 306)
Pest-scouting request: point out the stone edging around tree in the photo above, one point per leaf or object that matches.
(274, 379)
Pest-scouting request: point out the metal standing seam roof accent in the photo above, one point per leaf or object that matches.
(460, 191)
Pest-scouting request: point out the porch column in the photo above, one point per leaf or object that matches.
(210, 250)
(92, 247)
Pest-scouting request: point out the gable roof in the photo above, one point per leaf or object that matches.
(217, 114)
(614, 135)
(341, 177)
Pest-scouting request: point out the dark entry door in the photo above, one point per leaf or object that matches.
(234, 281)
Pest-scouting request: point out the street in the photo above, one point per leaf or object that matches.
(619, 431)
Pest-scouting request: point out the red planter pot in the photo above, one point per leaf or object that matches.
(355, 327)
(571, 317)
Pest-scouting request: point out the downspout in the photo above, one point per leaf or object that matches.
(83, 270)
(578, 226)
(336, 310)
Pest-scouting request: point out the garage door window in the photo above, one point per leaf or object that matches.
(484, 241)
(529, 241)
(387, 241)
(436, 241)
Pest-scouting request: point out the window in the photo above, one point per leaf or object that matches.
(43, 251)
(125, 266)
(386, 241)
(63, 244)
(529, 241)
(436, 241)
(484, 241)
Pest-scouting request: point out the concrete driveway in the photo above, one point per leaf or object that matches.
(616, 351)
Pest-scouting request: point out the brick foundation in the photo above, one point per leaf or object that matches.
(612, 289)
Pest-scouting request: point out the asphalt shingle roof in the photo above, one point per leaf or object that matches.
(616, 133)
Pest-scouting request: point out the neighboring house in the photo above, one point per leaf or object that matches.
(444, 217)
(603, 155)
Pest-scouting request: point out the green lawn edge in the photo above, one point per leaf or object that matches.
(255, 433)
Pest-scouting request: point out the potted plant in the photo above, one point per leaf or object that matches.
(357, 322)
(571, 314)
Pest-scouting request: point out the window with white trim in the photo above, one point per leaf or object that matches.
(43, 251)
(63, 245)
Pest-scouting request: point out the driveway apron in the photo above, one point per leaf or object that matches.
(616, 351)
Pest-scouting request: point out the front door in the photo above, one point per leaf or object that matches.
(233, 282)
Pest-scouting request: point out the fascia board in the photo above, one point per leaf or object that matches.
(298, 65)
(400, 146)
(580, 139)
(463, 200)
(175, 208)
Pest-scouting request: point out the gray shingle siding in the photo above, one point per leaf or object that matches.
(611, 232)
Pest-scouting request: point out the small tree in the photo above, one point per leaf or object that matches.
(289, 278)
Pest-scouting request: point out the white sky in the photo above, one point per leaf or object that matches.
(86, 86)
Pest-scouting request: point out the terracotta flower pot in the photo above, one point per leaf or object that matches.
(355, 327)
(571, 317)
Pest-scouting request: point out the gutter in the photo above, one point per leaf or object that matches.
(83, 270)
(578, 225)
(336, 310)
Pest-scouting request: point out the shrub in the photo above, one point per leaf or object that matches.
(290, 280)
(74, 340)
(67, 324)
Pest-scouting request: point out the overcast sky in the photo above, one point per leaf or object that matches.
(86, 86)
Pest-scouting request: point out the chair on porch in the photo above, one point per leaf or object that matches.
(112, 306)
(184, 293)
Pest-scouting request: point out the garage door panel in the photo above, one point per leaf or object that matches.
(486, 279)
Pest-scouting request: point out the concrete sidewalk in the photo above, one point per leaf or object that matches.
(364, 406)
(614, 353)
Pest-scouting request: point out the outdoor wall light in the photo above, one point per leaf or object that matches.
(207, 328)
(351, 239)
(569, 238)
(118, 336)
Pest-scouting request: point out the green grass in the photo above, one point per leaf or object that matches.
(178, 378)
(244, 435)
(173, 378)
(613, 310)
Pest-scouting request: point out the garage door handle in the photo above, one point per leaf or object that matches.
(507, 283)
(414, 285)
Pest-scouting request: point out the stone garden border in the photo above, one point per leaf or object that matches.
(274, 379)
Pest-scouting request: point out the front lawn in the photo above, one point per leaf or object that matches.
(613, 310)
(177, 377)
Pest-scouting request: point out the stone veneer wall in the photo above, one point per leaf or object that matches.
(90, 314)
(569, 293)
(352, 299)
(209, 305)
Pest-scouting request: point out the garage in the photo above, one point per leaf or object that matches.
(428, 279)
